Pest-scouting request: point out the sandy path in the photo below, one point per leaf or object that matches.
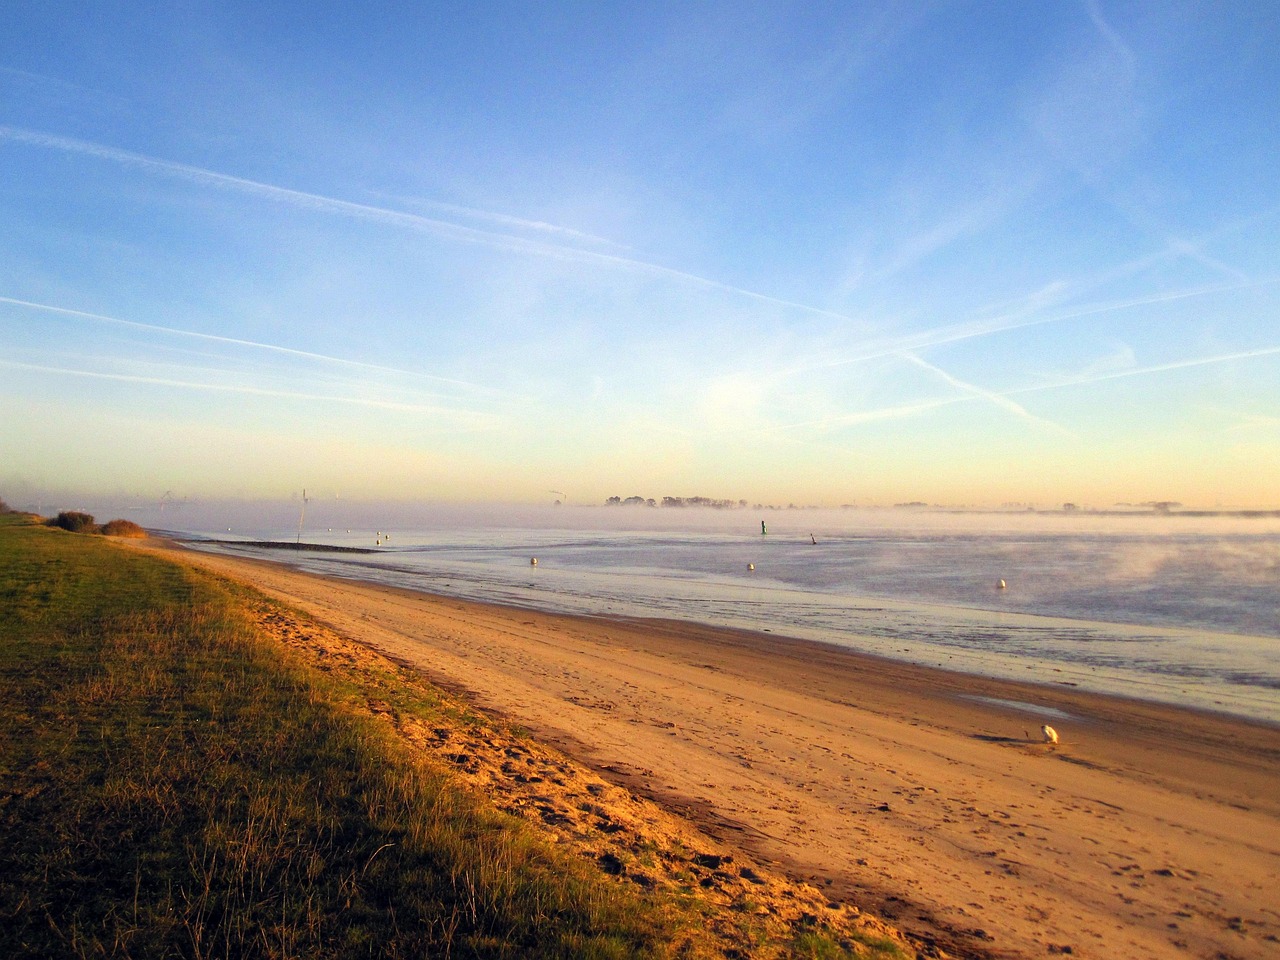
(1150, 832)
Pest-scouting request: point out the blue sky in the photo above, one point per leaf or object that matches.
(966, 253)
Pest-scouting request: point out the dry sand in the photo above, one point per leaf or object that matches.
(920, 795)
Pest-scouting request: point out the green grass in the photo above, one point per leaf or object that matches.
(173, 785)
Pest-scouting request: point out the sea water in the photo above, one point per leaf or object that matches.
(1174, 609)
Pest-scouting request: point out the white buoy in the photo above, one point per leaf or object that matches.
(1050, 734)
(751, 566)
(533, 561)
(1000, 585)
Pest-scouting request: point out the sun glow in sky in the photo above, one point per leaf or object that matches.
(965, 253)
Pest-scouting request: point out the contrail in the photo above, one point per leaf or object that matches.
(312, 201)
(908, 410)
(940, 336)
(478, 419)
(396, 218)
(1144, 371)
(297, 198)
(870, 416)
(999, 399)
(502, 219)
(214, 338)
(1108, 33)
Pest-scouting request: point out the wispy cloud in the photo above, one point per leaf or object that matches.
(58, 89)
(393, 218)
(976, 216)
(1254, 421)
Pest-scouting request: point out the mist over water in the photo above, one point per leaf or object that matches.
(1176, 609)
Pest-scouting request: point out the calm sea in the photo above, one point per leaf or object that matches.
(1173, 609)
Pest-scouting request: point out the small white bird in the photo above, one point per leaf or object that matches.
(999, 584)
(533, 562)
(1050, 734)
(751, 566)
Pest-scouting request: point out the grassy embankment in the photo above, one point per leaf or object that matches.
(173, 783)
(171, 787)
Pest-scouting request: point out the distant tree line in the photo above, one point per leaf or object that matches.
(677, 502)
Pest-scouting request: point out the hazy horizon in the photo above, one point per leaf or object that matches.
(212, 515)
(964, 254)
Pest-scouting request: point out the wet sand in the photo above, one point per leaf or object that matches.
(920, 795)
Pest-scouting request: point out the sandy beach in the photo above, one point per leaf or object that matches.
(922, 796)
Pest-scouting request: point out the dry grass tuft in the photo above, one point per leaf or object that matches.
(122, 528)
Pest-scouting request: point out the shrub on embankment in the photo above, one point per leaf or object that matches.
(75, 521)
(173, 786)
(78, 522)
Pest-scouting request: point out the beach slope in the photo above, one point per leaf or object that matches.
(924, 796)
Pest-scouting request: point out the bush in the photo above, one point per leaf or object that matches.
(122, 528)
(4, 507)
(74, 521)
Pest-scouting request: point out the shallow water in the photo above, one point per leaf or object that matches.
(1166, 609)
